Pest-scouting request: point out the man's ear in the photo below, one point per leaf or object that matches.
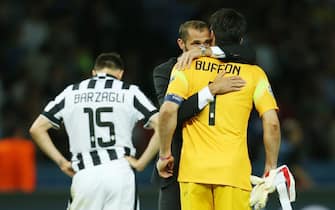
(120, 74)
(94, 73)
(241, 40)
(181, 44)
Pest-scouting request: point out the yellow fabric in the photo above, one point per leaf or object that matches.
(217, 153)
(195, 196)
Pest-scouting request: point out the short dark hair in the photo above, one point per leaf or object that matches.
(195, 24)
(228, 25)
(112, 61)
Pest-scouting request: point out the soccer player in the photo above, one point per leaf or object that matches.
(214, 168)
(192, 35)
(99, 114)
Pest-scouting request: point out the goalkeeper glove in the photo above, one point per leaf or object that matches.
(259, 194)
(280, 179)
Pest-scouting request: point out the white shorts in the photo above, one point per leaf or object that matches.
(109, 186)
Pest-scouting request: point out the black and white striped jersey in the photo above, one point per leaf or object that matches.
(99, 115)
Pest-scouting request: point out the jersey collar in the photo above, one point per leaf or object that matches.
(101, 75)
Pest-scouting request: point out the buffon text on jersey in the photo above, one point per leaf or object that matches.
(105, 96)
(208, 66)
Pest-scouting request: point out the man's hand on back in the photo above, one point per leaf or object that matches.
(222, 85)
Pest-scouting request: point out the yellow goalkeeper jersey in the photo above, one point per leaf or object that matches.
(215, 141)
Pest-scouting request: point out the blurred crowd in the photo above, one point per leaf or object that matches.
(46, 45)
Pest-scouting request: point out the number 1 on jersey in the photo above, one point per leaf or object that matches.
(211, 117)
(211, 112)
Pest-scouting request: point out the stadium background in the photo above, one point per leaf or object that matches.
(46, 45)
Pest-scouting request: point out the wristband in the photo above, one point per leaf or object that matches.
(165, 158)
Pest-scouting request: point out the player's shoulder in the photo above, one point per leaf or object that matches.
(250, 67)
(256, 68)
(166, 66)
(77, 85)
(135, 90)
(128, 86)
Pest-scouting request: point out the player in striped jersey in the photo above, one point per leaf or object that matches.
(214, 165)
(99, 115)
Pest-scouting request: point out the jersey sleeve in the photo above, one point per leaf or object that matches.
(54, 110)
(178, 85)
(145, 108)
(263, 97)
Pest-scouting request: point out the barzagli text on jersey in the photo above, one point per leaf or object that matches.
(104, 96)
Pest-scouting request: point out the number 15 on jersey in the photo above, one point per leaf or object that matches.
(94, 120)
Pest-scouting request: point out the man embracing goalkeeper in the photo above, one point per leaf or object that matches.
(215, 167)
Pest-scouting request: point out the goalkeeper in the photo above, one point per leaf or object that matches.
(215, 167)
